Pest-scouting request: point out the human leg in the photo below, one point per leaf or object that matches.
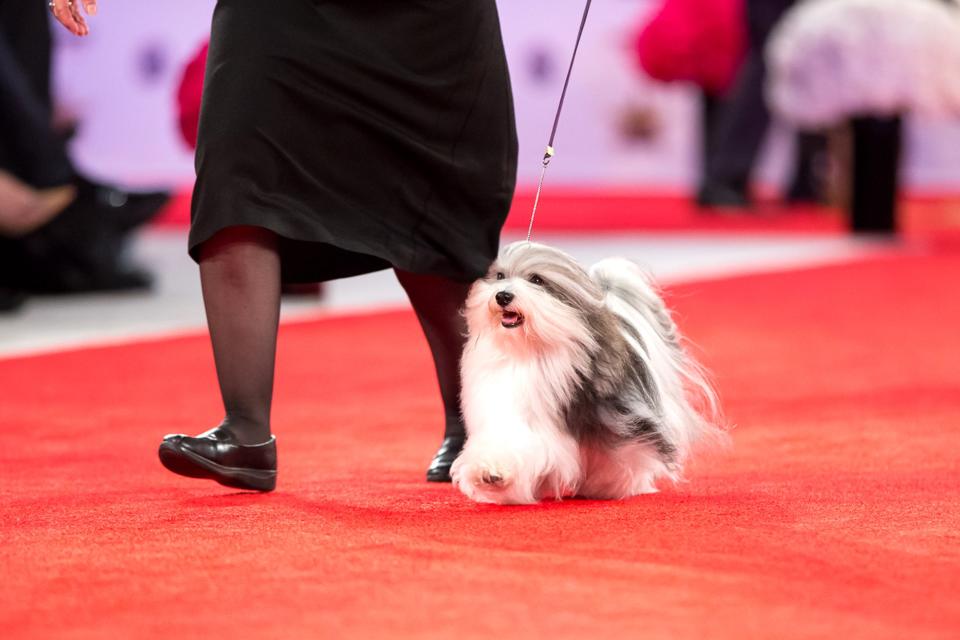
(743, 120)
(240, 278)
(437, 302)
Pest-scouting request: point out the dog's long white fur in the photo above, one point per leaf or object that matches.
(524, 387)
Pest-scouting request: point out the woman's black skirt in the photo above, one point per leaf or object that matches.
(365, 133)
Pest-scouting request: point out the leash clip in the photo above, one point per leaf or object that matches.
(548, 155)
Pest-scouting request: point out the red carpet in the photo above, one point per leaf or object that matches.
(835, 516)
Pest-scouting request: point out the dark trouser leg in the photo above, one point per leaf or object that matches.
(875, 176)
(240, 277)
(26, 26)
(741, 127)
(30, 149)
(437, 302)
(807, 182)
(709, 108)
(744, 118)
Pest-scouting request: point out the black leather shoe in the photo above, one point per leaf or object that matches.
(450, 448)
(11, 300)
(217, 455)
(717, 195)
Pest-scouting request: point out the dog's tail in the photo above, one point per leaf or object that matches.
(691, 413)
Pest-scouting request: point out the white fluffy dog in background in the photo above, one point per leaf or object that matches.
(574, 383)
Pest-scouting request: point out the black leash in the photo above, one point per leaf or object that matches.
(549, 152)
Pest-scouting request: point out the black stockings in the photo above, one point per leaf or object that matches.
(240, 277)
(437, 302)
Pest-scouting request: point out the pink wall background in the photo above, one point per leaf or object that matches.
(120, 83)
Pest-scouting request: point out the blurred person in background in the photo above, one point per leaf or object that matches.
(741, 123)
(336, 140)
(717, 45)
(702, 42)
(59, 232)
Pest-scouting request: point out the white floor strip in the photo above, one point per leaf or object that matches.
(175, 307)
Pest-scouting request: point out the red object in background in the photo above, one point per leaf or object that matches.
(189, 95)
(699, 41)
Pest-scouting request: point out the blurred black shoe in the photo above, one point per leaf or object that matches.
(804, 193)
(807, 186)
(717, 195)
(450, 448)
(71, 277)
(11, 300)
(123, 210)
(811, 166)
(84, 248)
(46, 266)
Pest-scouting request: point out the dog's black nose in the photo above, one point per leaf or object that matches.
(504, 298)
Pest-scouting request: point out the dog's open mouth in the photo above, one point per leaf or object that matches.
(511, 319)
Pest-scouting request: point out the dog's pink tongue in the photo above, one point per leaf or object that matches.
(511, 317)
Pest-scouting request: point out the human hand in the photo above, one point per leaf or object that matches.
(67, 12)
(23, 208)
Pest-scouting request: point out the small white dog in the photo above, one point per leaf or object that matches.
(574, 383)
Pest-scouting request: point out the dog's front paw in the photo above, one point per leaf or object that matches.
(493, 480)
(493, 476)
(486, 474)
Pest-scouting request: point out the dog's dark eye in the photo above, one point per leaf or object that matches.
(537, 280)
(500, 275)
